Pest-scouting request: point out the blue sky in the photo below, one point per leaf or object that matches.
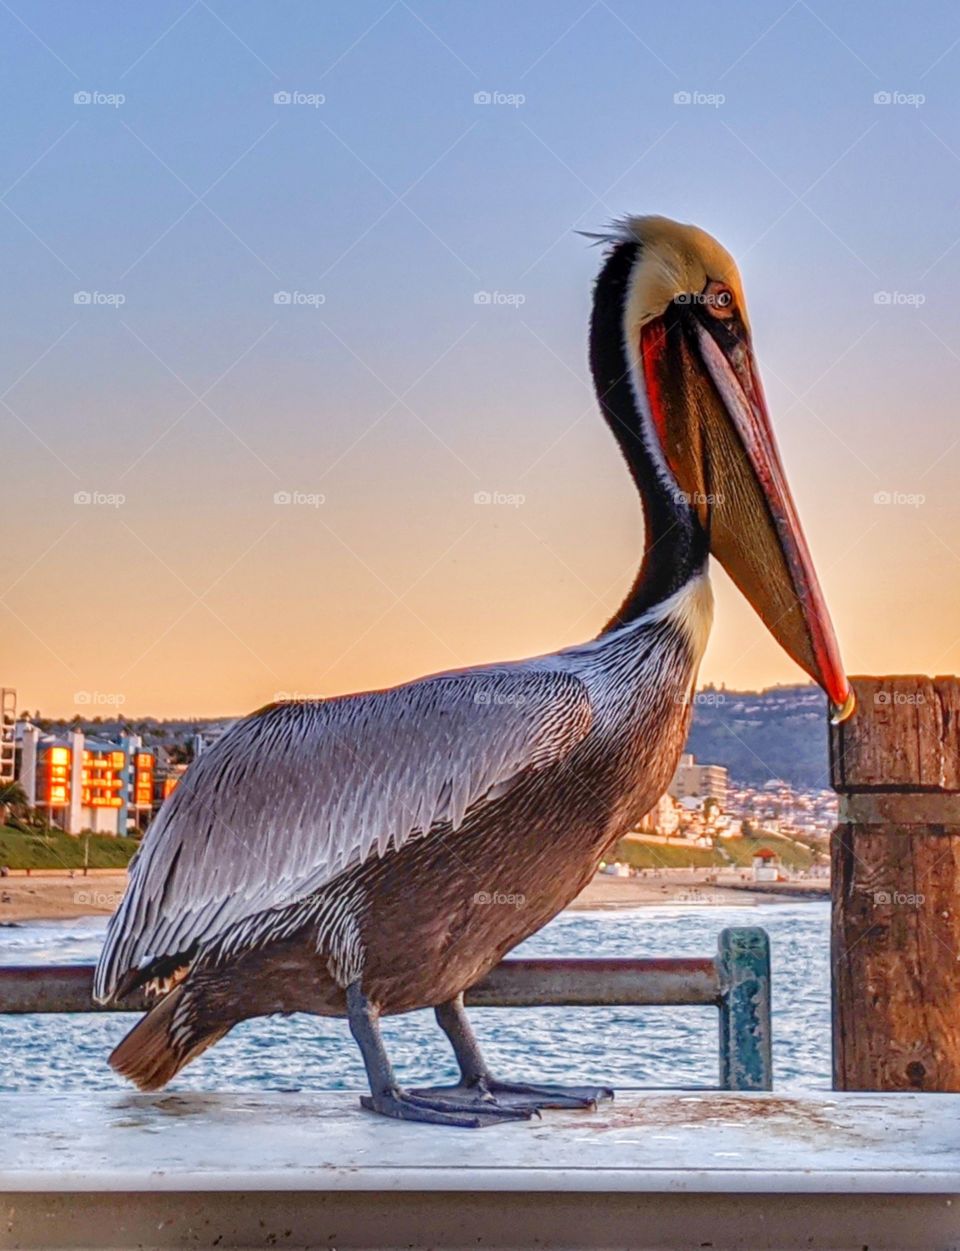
(385, 388)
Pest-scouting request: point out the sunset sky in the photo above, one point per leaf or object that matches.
(210, 497)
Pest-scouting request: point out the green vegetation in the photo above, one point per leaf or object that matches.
(663, 855)
(794, 855)
(52, 849)
(732, 853)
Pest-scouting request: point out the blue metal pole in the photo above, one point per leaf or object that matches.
(743, 966)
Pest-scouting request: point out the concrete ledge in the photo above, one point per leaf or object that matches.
(491, 1221)
(654, 1170)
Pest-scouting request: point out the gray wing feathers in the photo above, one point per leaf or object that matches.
(292, 796)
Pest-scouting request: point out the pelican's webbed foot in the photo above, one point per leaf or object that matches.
(546, 1095)
(527, 1097)
(478, 1099)
(478, 1085)
(440, 1109)
(461, 1109)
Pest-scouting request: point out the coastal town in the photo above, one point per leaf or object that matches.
(78, 794)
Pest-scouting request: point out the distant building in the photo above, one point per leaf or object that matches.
(663, 818)
(81, 783)
(8, 737)
(766, 866)
(698, 781)
(204, 739)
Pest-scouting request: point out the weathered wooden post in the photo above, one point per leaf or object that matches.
(896, 887)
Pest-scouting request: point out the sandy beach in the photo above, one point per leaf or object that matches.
(44, 896)
(680, 887)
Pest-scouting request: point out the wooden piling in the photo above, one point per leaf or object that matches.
(896, 887)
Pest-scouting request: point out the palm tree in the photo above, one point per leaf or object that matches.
(14, 805)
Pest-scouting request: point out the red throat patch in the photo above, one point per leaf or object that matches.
(653, 341)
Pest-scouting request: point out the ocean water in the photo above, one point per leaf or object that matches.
(615, 1046)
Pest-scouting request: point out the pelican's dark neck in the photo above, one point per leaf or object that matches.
(675, 546)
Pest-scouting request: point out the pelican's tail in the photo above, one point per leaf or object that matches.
(161, 1043)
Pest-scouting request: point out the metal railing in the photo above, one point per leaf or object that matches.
(736, 981)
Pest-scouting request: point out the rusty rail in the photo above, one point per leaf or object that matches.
(736, 982)
(662, 982)
(513, 984)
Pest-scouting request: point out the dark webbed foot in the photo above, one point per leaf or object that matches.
(478, 1099)
(547, 1095)
(453, 1107)
(518, 1096)
(478, 1083)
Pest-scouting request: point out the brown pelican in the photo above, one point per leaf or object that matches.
(346, 856)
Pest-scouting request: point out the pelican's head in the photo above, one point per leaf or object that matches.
(704, 423)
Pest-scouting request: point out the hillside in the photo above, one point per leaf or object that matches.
(734, 853)
(757, 735)
(781, 732)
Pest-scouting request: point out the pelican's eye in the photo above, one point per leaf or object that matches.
(718, 298)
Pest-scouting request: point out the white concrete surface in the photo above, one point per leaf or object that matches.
(116, 1170)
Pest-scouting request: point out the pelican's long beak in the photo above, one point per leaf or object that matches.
(731, 459)
(757, 536)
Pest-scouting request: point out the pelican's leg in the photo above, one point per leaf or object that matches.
(478, 1083)
(387, 1097)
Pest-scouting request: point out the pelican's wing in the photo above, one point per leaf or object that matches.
(293, 795)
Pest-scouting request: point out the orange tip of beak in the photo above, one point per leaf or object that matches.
(845, 710)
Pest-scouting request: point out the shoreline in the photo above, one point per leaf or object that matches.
(50, 896)
(57, 896)
(611, 894)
